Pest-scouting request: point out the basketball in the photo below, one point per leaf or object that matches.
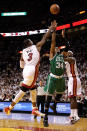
(54, 9)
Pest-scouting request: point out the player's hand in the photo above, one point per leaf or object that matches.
(53, 25)
(63, 33)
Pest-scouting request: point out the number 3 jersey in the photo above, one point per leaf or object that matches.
(57, 65)
(31, 56)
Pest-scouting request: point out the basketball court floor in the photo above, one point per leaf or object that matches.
(26, 122)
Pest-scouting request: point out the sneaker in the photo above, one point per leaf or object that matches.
(76, 118)
(37, 113)
(45, 121)
(7, 110)
(72, 120)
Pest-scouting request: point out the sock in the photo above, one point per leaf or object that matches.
(72, 113)
(76, 112)
(34, 107)
(10, 107)
(19, 96)
(17, 99)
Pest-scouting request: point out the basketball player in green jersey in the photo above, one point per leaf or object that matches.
(55, 80)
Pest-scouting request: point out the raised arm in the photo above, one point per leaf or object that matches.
(42, 42)
(53, 44)
(71, 60)
(63, 33)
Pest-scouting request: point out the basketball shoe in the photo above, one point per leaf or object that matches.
(7, 110)
(36, 112)
(76, 118)
(45, 121)
(72, 120)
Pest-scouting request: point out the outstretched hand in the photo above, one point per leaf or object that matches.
(63, 33)
(53, 25)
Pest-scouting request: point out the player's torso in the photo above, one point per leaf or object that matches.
(31, 55)
(57, 65)
(71, 69)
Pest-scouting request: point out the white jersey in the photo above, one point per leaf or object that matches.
(71, 69)
(74, 83)
(31, 56)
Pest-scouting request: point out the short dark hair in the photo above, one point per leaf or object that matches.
(27, 42)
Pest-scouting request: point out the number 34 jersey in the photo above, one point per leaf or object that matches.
(57, 65)
(31, 56)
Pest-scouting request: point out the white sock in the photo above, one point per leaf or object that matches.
(72, 113)
(19, 96)
(10, 107)
(76, 112)
(34, 107)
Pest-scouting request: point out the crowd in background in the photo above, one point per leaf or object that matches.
(11, 74)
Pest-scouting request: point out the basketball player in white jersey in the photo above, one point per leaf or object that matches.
(30, 63)
(74, 85)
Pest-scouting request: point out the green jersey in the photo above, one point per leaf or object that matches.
(57, 65)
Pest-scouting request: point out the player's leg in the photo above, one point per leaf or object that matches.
(28, 76)
(78, 93)
(38, 104)
(72, 93)
(42, 103)
(35, 110)
(17, 98)
(57, 99)
(74, 110)
(47, 104)
(50, 89)
(60, 88)
(38, 101)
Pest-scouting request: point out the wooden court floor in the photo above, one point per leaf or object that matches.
(26, 122)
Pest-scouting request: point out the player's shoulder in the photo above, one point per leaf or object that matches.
(71, 59)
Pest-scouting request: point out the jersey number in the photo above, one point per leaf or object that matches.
(59, 65)
(30, 56)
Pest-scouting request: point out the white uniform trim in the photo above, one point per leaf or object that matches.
(55, 76)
